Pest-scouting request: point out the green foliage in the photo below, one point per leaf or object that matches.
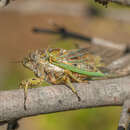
(66, 44)
(85, 119)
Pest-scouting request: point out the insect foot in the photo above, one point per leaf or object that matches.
(70, 85)
(29, 84)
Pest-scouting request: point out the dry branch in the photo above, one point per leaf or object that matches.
(122, 2)
(103, 2)
(120, 63)
(43, 100)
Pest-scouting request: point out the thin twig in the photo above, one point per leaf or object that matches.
(123, 2)
(120, 63)
(106, 2)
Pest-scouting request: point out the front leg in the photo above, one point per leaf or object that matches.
(29, 83)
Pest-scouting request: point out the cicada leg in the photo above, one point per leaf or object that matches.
(29, 84)
(74, 77)
(66, 80)
(70, 85)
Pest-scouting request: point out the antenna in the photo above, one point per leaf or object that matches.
(19, 62)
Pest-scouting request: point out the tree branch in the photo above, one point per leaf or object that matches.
(122, 2)
(43, 100)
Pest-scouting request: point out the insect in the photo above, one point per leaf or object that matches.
(59, 66)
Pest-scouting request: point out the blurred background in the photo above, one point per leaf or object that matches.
(18, 23)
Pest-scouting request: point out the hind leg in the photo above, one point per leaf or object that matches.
(70, 85)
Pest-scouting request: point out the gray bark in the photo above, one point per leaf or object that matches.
(123, 2)
(105, 2)
(43, 100)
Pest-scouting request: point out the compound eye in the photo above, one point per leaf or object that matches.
(34, 57)
(25, 60)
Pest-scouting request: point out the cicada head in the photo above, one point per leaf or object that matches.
(28, 63)
(33, 59)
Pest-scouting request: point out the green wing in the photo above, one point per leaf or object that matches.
(75, 53)
(77, 70)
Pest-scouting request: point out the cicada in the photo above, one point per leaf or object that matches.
(60, 66)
